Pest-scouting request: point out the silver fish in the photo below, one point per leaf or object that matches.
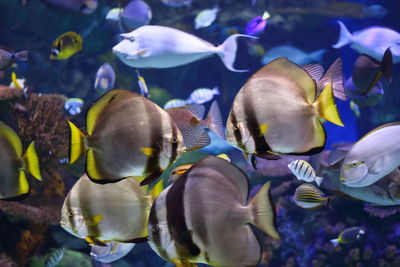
(205, 18)
(175, 103)
(203, 95)
(105, 79)
(9, 57)
(113, 251)
(304, 171)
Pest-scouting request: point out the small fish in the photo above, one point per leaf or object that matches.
(348, 236)
(373, 41)
(375, 11)
(144, 90)
(8, 57)
(175, 103)
(17, 83)
(205, 18)
(15, 165)
(202, 95)
(304, 171)
(66, 46)
(257, 25)
(114, 14)
(73, 106)
(355, 108)
(136, 14)
(105, 79)
(154, 46)
(307, 196)
(178, 171)
(176, 3)
(84, 7)
(54, 257)
(294, 54)
(217, 145)
(113, 251)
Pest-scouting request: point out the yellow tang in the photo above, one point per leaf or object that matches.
(66, 46)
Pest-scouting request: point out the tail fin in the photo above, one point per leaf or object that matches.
(216, 91)
(334, 75)
(345, 36)
(214, 120)
(31, 161)
(335, 242)
(317, 55)
(387, 63)
(326, 106)
(227, 51)
(77, 143)
(263, 211)
(22, 55)
(319, 180)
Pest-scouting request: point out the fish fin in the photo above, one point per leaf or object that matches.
(194, 121)
(202, 140)
(151, 178)
(267, 155)
(145, 52)
(387, 64)
(263, 128)
(326, 106)
(246, 156)
(15, 81)
(97, 219)
(314, 70)
(31, 161)
(317, 55)
(157, 189)
(196, 109)
(335, 156)
(224, 156)
(9, 134)
(94, 241)
(22, 55)
(377, 167)
(329, 184)
(216, 91)
(394, 190)
(263, 211)
(92, 169)
(149, 151)
(183, 263)
(77, 143)
(378, 128)
(227, 51)
(23, 183)
(345, 37)
(379, 190)
(334, 75)
(214, 120)
(319, 180)
(335, 242)
(135, 240)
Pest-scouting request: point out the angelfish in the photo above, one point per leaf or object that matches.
(204, 217)
(154, 46)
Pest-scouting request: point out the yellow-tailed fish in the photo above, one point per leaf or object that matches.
(144, 91)
(66, 46)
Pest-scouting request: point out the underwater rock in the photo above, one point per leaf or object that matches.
(7, 93)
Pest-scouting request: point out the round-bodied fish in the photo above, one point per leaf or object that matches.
(105, 79)
(100, 213)
(204, 217)
(127, 135)
(112, 252)
(136, 14)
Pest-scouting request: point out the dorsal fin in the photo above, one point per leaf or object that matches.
(314, 70)
(196, 109)
(378, 128)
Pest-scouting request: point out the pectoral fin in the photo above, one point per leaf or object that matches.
(394, 191)
(377, 167)
(378, 190)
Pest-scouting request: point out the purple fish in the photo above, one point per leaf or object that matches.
(257, 24)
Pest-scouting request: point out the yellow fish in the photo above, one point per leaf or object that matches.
(66, 45)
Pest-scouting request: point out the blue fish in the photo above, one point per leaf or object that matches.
(294, 54)
(73, 106)
(202, 95)
(257, 25)
(175, 103)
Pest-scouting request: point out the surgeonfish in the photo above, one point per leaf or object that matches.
(8, 57)
(191, 124)
(73, 106)
(205, 18)
(153, 46)
(15, 165)
(175, 103)
(176, 3)
(66, 46)
(304, 171)
(193, 220)
(202, 95)
(375, 155)
(293, 54)
(105, 79)
(113, 251)
(127, 135)
(277, 112)
(349, 235)
(373, 41)
(54, 257)
(257, 25)
(307, 196)
(84, 7)
(100, 213)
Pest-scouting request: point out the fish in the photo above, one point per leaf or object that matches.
(193, 219)
(276, 112)
(202, 95)
(205, 18)
(304, 171)
(375, 155)
(127, 135)
(17, 83)
(83, 7)
(73, 106)
(54, 257)
(136, 14)
(355, 108)
(114, 14)
(105, 79)
(15, 164)
(144, 90)
(373, 41)
(293, 54)
(175, 103)
(191, 124)
(8, 57)
(307, 196)
(153, 46)
(375, 11)
(113, 251)
(179, 171)
(66, 45)
(364, 86)
(257, 24)
(349, 235)
(176, 3)
(101, 213)
(217, 145)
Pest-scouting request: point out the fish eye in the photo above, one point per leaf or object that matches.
(174, 140)
(236, 127)
(70, 214)
(54, 52)
(155, 229)
(130, 38)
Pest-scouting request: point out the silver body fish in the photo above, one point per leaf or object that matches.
(307, 196)
(112, 252)
(202, 95)
(205, 18)
(304, 171)
(105, 79)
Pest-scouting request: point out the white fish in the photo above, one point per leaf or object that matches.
(205, 18)
(373, 41)
(175, 103)
(105, 79)
(144, 90)
(304, 171)
(114, 14)
(111, 252)
(154, 46)
(73, 106)
(202, 95)
(294, 54)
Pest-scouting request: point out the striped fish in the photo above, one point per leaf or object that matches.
(174, 103)
(100, 213)
(277, 112)
(54, 257)
(304, 171)
(128, 135)
(202, 95)
(307, 196)
(204, 216)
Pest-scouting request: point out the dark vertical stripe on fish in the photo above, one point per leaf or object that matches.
(70, 218)
(236, 132)
(155, 231)
(174, 146)
(180, 234)
(88, 217)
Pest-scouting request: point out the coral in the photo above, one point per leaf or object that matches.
(7, 93)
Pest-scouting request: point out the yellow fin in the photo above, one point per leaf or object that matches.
(15, 81)
(93, 241)
(9, 134)
(157, 189)
(224, 156)
(91, 166)
(326, 106)
(183, 263)
(77, 143)
(263, 128)
(97, 219)
(23, 183)
(31, 161)
(148, 151)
